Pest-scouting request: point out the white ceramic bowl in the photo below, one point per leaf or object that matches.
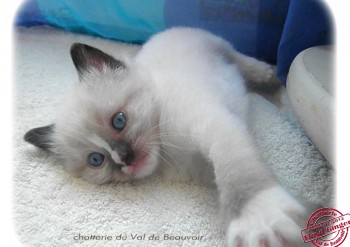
(310, 90)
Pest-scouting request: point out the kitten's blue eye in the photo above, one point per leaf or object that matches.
(119, 121)
(96, 159)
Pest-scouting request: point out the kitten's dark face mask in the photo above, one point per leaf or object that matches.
(108, 129)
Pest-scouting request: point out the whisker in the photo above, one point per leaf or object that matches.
(167, 144)
(163, 158)
(167, 153)
(167, 135)
(147, 149)
(155, 127)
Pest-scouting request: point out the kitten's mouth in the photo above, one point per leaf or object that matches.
(137, 164)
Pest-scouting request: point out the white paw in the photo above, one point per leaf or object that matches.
(268, 220)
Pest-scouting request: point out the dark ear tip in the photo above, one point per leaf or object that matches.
(40, 137)
(77, 52)
(85, 57)
(76, 47)
(27, 136)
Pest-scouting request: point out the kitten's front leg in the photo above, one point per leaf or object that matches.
(255, 208)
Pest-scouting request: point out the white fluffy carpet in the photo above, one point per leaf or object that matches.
(53, 209)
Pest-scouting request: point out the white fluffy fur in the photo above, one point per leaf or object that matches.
(203, 138)
(268, 217)
(203, 97)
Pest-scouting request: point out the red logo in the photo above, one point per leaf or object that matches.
(326, 227)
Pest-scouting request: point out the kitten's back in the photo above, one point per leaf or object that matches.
(190, 66)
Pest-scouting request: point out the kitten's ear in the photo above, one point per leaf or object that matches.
(41, 137)
(86, 57)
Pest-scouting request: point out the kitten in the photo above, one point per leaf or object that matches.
(182, 100)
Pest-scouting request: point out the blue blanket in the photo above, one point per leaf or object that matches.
(271, 30)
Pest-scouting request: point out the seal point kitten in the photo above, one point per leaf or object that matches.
(181, 101)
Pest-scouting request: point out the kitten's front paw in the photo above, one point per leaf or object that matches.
(268, 220)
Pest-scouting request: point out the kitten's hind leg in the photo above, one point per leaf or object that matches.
(253, 70)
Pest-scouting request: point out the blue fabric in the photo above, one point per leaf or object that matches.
(130, 21)
(236, 22)
(253, 27)
(29, 15)
(308, 24)
(271, 30)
